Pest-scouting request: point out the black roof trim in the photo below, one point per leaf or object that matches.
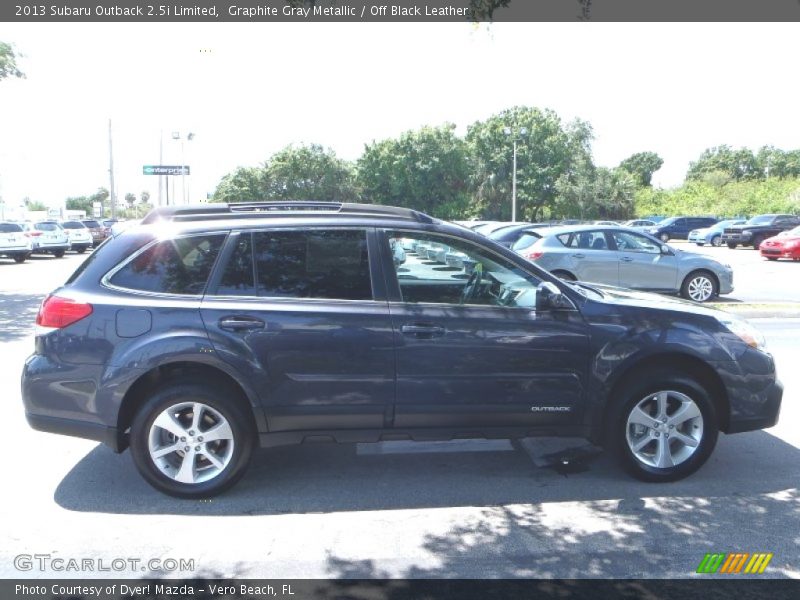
(211, 211)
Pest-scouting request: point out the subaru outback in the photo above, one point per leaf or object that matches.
(207, 331)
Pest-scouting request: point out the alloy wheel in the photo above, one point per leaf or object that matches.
(664, 429)
(191, 442)
(700, 288)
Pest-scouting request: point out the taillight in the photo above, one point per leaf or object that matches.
(533, 255)
(58, 312)
(33, 233)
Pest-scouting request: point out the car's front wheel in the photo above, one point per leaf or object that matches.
(700, 286)
(716, 241)
(732, 245)
(191, 440)
(20, 258)
(665, 427)
(664, 237)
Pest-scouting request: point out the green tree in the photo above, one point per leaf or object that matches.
(642, 165)
(738, 164)
(34, 204)
(144, 197)
(130, 198)
(8, 62)
(245, 184)
(426, 170)
(778, 163)
(310, 172)
(546, 152)
(80, 203)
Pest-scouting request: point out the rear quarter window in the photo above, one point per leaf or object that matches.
(10, 228)
(174, 266)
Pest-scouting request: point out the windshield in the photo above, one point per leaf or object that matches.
(47, 226)
(526, 241)
(761, 220)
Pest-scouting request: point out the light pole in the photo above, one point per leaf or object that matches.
(176, 135)
(515, 135)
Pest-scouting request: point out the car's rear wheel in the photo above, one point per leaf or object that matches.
(716, 241)
(732, 245)
(20, 258)
(664, 237)
(565, 275)
(191, 440)
(700, 286)
(757, 242)
(665, 426)
(58, 253)
(80, 250)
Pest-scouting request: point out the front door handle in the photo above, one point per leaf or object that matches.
(626, 259)
(579, 255)
(238, 323)
(423, 330)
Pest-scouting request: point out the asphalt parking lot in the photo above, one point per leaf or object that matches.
(460, 509)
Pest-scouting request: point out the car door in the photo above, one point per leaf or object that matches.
(590, 258)
(304, 315)
(642, 265)
(472, 351)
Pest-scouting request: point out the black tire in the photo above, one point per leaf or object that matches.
(20, 258)
(664, 237)
(772, 258)
(220, 399)
(80, 250)
(631, 394)
(757, 241)
(565, 275)
(696, 277)
(716, 241)
(732, 245)
(59, 253)
(700, 243)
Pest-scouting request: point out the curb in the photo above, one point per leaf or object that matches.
(786, 310)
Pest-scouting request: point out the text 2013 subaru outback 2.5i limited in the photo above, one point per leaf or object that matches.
(206, 331)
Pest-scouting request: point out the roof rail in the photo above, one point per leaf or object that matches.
(202, 212)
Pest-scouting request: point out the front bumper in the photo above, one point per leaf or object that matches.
(736, 238)
(769, 412)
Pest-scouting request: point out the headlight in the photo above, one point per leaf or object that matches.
(744, 331)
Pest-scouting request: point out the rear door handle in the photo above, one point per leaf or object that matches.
(240, 323)
(421, 330)
(626, 259)
(579, 255)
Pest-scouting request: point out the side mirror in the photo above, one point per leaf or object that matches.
(549, 297)
(665, 249)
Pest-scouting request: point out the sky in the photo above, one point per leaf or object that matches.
(246, 90)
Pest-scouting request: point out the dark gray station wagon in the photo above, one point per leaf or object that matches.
(208, 330)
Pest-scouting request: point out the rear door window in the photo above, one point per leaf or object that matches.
(324, 264)
(10, 228)
(174, 266)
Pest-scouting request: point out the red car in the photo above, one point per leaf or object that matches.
(783, 245)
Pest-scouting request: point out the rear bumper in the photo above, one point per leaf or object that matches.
(110, 436)
(51, 248)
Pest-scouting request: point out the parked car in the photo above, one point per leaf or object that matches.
(80, 238)
(97, 229)
(678, 228)
(296, 326)
(629, 258)
(47, 237)
(757, 229)
(639, 223)
(489, 228)
(606, 223)
(13, 242)
(507, 236)
(712, 235)
(784, 245)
